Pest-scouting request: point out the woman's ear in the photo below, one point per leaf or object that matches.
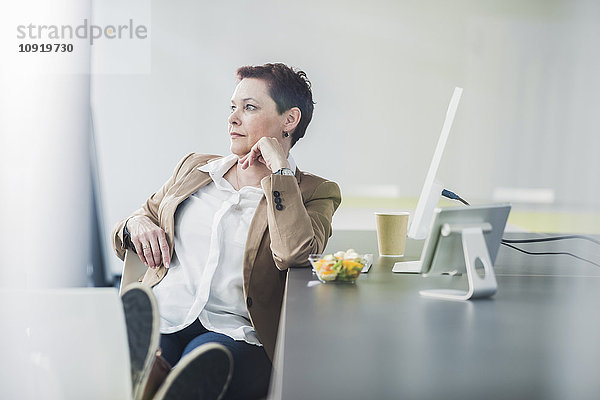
(292, 119)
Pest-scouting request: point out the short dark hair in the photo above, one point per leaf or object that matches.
(288, 87)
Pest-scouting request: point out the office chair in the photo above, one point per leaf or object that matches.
(133, 270)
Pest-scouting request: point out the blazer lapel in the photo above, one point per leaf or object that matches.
(192, 182)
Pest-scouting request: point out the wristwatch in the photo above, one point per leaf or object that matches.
(284, 171)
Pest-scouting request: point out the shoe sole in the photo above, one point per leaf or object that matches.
(204, 373)
(141, 318)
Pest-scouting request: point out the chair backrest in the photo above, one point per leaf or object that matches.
(133, 269)
(64, 344)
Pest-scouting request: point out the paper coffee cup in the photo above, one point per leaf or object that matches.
(391, 233)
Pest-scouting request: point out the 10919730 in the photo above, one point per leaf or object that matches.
(45, 48)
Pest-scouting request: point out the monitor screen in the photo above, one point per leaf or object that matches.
(430, 194)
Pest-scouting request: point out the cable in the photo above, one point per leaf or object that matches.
(552, 238)
(453, 196)
(550, 253)
(506, 242)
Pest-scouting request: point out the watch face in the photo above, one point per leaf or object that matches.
(285, 171)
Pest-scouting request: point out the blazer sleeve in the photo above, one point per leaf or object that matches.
(298, 227)
(148, 209)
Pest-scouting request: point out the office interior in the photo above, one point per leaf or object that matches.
(87, 136)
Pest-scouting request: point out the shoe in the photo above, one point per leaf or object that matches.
(141, 319)
(204, 373)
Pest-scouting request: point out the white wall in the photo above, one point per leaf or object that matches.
(383, 73)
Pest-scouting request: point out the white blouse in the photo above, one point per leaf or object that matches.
(205, 276)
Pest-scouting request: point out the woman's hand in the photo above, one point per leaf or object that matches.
(267, 151)
(150, 241)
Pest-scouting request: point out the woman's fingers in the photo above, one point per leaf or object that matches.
(263, 151)
(248, 160)
(243, 161)
(271, 153)
(147, 253)
(267, 151)
(255, 152)
(156, 252)
(139, 249)
(164, 249)
(150, 242)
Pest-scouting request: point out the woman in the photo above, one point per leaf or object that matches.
(219, 236)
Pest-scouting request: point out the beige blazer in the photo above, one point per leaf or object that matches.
(279, 237)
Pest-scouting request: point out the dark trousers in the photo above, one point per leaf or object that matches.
(251, 365)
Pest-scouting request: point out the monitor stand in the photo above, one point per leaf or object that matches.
(474, 249)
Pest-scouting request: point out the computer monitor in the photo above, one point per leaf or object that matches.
(450, 249)
(432, 190)
(465, 239)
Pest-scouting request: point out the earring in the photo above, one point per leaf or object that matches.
(286, 134)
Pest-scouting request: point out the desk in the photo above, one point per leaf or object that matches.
(537, 338)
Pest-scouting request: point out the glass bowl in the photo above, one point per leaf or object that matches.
(335, 269)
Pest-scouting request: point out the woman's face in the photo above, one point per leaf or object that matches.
(253, 116)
